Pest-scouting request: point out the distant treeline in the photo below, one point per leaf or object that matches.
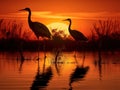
(105, 35)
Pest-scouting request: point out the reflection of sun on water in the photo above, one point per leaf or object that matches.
(58, 27)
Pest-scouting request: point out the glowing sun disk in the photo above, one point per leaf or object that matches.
(58, 26)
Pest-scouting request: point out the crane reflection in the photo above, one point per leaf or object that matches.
(42, 79)
(78, 74)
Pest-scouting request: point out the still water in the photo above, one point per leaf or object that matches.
(60, 71)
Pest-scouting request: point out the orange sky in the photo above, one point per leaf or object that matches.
(61, 5)
(82, 12)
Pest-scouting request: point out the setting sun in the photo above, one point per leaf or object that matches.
(58, 26)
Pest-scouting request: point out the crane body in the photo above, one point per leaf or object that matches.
(77, 35)
(39, 29)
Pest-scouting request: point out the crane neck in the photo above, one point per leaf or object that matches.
(29, 17)
(69, 25)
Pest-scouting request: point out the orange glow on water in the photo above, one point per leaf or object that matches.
(60, 75)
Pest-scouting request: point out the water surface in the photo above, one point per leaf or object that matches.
(60, 71)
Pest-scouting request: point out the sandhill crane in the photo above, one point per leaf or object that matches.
(77, 35)
(39, 29)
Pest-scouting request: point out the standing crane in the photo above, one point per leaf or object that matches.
(39, 29)
(78, 36)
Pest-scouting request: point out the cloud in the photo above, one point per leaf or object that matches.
(92, 15)
(76, 15)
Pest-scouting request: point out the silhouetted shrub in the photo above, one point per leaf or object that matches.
(106, 33)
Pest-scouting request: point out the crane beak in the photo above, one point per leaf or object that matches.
(22, 10)
(64, 20)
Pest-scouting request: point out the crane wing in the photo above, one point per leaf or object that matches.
(78, 35)
(40, 30)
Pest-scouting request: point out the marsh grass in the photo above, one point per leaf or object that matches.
(104, 34)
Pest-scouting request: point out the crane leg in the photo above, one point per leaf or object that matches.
(75, 52)
(44, 65)
(84, 51)
(38, 49)
(44, 47)
(38, 56)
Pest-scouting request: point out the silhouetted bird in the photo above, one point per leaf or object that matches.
(78, 36)
(38, 28)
